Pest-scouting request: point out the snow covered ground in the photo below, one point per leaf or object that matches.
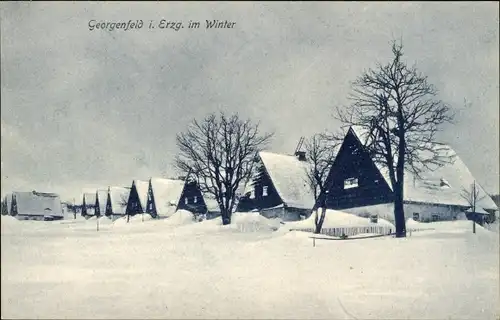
(175, 268)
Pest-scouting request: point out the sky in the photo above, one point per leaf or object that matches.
(84, 109)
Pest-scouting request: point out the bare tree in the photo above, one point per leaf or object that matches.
(218, 152)
(123, 202)
(398, 108)
(472, 196)
(320, 150)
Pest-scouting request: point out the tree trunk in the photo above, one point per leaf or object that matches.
(319, 224)
(399, 215)
(226, 218)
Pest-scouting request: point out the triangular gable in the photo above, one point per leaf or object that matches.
(440, 184)
(102, 199)
(289, 178)
(164, 195)
(89, 201)
(117, 200)
(138, 196)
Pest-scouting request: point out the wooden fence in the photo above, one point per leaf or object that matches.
(352, 231)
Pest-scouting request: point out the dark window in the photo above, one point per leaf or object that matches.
(416, 216)
(435, 217)
(350, 183)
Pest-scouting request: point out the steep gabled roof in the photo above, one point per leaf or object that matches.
(90, 198)
(166, 193)
(119, 198)
(142, 190)
(102, 195)
(289, 178)
(34, 203)
(439, 184)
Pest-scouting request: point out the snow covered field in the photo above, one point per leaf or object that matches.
(175, 268)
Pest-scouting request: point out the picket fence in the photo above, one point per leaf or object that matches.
(352, 231)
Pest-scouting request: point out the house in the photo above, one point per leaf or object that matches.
(192, 199)
(138, 197)
(35, 205)
(6, 204)
(88, 204)
(100, 202)
(359, 185)
(165, 196)
(116, 203)
(279, 187)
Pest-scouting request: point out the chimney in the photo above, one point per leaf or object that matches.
(301, 155)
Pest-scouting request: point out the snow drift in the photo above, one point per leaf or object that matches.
(337, 219)
(179, 218)
(253, 222)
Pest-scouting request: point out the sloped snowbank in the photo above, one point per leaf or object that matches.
(456, 226)
(337, 219)
(253, 222)
(179, 218)
(256, 275)
(494, 227)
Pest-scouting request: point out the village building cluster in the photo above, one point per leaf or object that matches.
(279, 188)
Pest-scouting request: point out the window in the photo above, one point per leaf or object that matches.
(186, 200)
(195, 199)
(252, 194)
(350, 183)
(435, 217)
(264, 191)
(416, 216)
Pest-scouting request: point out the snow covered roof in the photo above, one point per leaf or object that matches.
(119, 198)
(35, 203)
(142, 190)
(90, 198)
(167, 193)
(289, 178)
(211, 203)
(439, 184)
(102, 195)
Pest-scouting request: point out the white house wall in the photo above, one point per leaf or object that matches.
(425, 211)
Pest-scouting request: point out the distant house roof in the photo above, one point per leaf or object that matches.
(35, 203)
(166, 193)
(90, 198)
(211, 203)
(289, 178)
(142, 187)
(439, 184)
(102, 195)
(119, 198)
